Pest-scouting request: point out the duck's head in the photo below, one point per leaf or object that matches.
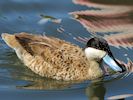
(97, 49)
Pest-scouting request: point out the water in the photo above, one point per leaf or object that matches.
(73, 21)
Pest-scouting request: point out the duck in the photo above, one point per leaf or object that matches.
(61, 60)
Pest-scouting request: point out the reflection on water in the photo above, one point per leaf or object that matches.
(112, 17)
(112, 20)
(96, 91)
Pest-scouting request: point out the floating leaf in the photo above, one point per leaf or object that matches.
(46, 18)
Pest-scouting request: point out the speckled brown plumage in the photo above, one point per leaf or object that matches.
(52, 57)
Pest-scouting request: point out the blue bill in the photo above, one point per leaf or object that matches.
(111, 63)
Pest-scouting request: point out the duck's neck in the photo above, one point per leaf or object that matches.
(95, 70)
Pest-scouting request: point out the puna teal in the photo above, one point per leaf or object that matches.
(54, 58)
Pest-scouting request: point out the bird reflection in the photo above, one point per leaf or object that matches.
(45, 83)
(96, 91)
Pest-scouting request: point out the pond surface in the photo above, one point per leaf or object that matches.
(74, 21)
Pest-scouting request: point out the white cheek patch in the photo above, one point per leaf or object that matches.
(92, 53)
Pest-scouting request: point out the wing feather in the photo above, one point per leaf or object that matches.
(35, 44)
